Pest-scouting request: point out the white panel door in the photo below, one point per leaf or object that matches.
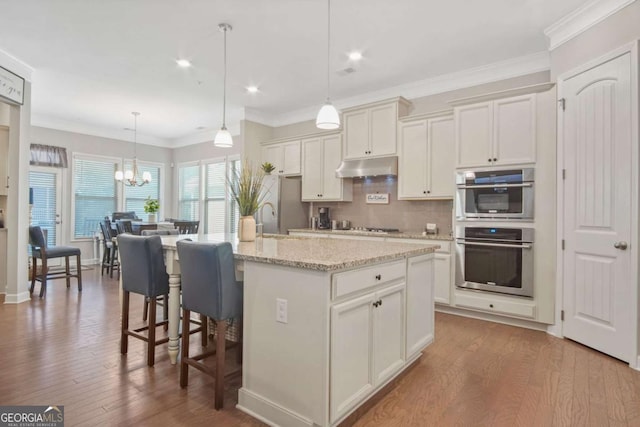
(412, 163)
(597, 209)
(474, 135)
(514, 138)
(47, 195)
(291, 158)
(388, 332)
(382, 129)
(441, 158)
(332, 157)
(420, 281)
(312, 154)
(356, 134)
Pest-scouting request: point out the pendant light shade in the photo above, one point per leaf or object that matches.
(223, 137)
(328, 116)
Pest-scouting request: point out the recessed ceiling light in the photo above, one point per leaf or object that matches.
(184, 63)
(355, 56)
(252, 89)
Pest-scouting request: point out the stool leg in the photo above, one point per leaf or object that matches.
(184, 368)
(151, 344)
(34, 267)
(220, 350)
(43, 277)
(105, 257)
(79, 266)
(165, 311)
(124, 338)
(204, 325)
(113, 260)
(67, 271)
(145, 311)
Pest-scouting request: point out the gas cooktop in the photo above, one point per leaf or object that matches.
(376, 229)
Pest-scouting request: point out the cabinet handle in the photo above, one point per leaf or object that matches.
(490, 305)
(378, 277)
(489, 159)
(495, 159)
(375, 303)
(424, 192)
(428, 191)
(379, 302)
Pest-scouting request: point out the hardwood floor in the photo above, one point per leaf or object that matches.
(64, 350)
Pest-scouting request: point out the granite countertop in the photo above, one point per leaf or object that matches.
(397, 235)
(309, 253)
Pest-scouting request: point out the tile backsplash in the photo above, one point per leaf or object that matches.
(406, 215)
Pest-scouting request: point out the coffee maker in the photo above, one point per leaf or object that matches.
(324, 223)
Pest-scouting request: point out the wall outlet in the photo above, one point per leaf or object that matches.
(281, 310)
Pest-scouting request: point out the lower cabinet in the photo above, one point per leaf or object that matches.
(367, 345)
(420, 314)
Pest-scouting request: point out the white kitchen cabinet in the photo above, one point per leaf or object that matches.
(426, 166)
(4, 161)
(321, 156)
(3, 260)
(370, 130)
(495, 133)
(367, 345)
(420, 320)
(284, 156)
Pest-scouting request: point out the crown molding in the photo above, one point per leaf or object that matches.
(581, 20)
(15, 65)
(56, 123)
(496, 71)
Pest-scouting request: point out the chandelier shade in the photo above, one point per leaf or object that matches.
(131, 177)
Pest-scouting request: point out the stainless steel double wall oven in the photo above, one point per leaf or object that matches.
(495, 248)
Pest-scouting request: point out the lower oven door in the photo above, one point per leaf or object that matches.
(504, 267)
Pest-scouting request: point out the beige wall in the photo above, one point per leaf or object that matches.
(252, 135)
(615, 31)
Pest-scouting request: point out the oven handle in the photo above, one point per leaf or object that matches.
(497, 245)
(524, 184)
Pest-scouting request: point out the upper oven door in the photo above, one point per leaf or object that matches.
(506, 194)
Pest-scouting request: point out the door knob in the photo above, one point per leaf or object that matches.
(621, 245)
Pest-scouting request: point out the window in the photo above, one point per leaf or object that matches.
(95, 193)
(135, 197)
(189, 192)
(219, 211)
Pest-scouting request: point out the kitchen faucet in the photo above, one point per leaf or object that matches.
(261, 215)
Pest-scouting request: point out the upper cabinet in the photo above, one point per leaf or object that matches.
(4, 161)
(495, 133)
(426, 163)
(321, 156)
(371, 130)
(285, 156)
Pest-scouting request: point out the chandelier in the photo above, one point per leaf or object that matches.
(131, 177)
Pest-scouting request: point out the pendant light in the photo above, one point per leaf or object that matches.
(328, 116)
(131, 177)
(223, 137)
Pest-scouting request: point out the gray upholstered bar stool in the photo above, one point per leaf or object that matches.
(143, 272)
(145, 312)
(209, 287)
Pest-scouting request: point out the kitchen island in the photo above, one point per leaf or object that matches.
(327, 323)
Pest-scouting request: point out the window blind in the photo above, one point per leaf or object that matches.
(135, 197)
(189, 193)
(215, 197)
(95, 194)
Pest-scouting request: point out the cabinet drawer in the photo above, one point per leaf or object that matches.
(353, 281)
(495, 305)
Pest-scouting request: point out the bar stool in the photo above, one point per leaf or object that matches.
(163, 298)
(209, 287)
(143, 272)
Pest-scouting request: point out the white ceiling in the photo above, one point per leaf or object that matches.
(96, 61)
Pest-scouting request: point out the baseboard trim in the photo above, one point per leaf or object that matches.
(17, 298)
(511, 321)
(269, 412)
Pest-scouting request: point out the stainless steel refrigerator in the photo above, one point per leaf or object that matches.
(282, 208)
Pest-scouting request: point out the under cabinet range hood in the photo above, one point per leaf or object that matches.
(368, 167)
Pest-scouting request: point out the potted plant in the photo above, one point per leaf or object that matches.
(268, 168)
(151, 206)
(246, 189)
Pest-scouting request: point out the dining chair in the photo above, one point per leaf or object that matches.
(139, 228)
(209, 287)
(124, 226)
(143, 272)
(40, 250)
(187, 227)
(109, 247)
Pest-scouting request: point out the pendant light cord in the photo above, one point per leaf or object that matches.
(328, 49)
(224, 83)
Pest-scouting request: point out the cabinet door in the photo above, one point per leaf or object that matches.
(388, 332)
(441, 158)
(291, 158)
(351, 343)
(4, 161)
(273, 155)
(473, 134)
(356, 134)
(3, 261)
(514, 138)
(419, 303)
(442, 278)
(312, 154)
(332, 186)
(382, 130)
(412, 162)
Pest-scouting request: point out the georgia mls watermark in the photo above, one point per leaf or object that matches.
(32, 416)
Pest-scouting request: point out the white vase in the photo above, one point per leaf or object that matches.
(247, 229)
(152, 217)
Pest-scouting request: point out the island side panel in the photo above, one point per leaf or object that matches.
(286, 366)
